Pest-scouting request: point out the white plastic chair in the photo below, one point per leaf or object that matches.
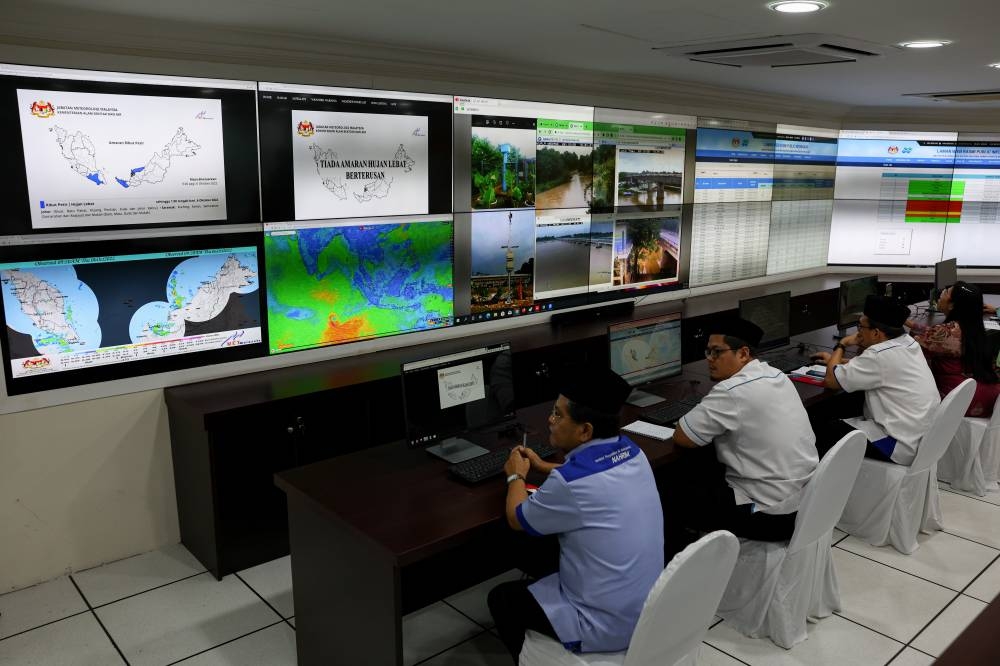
(674, 619)
(972, 462)
(890, 503)
(776, 587)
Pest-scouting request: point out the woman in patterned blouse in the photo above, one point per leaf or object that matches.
(957, 349)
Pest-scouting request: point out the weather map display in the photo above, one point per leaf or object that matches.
(339, 153)
(105, 149)
(336, 282)
(84, 313)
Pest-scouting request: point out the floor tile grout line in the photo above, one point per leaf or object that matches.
(45, 624)
(231, 640)
(889, 566)
(100, 623)
(840, 539)
(893, 658)
(259, 596)
(932, 620)
(871, 629)
(970, 540)
(158, 587)
(715, 623)
(971, 497)
(441, 652)
(985, 569)
(465, 615)
(723, 651)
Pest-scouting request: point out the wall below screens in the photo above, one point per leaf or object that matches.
(92, 482)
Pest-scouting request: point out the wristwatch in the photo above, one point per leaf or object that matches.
(514, 477)
(839, 346)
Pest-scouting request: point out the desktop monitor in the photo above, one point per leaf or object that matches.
(851, 300)
(945, 274)
(771, 313)
(646, 350)
(448, 395)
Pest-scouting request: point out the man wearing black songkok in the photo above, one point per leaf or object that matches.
(751, 449)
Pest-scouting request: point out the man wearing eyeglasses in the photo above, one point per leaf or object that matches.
(751, 449)
(603, 506)
(900, 393)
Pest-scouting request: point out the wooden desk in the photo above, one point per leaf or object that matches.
(373, 534)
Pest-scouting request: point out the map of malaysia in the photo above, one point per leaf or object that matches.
(197, 290)
(53, 307)
(336, 284)
(78, 149)
(375, 183)
(89, 306)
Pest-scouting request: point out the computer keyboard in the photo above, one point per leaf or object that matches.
(787, 361)
(491, 464)
(669, 413)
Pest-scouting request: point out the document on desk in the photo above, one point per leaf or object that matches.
(649, 430)
(991, 324)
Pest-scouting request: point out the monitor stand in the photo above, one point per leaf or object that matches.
(643, 399)
(456, 449)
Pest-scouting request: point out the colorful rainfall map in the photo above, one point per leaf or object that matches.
(336, 284)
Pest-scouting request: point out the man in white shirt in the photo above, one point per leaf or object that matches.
(900, 393)
(752, 450)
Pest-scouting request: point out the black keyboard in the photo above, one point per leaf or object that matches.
(491, 464)
(787, 361)
(669, 413)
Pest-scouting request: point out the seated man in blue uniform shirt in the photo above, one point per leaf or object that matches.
(603, 505)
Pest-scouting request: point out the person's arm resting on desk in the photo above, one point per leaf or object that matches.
(835, 359)
(680, 438)
(517, 466)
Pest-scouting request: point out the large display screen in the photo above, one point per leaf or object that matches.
(329, 153)
(339, 281)
(77, 313)
(90, 149)
(894, 196)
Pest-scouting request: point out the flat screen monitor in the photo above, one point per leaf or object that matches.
(771, 313)
(646, 350)
(851, 300)
(334, 153)
(88, 149)
(78, 313)
(336, 281)
(945, 274)
(448, 395)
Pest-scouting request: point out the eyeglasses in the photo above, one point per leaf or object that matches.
(554, 415)
(713, 352)
(860, 326)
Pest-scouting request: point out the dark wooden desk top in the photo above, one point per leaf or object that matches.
(403, 501)
(978, 645)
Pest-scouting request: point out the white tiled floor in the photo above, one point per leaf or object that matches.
(163, 608)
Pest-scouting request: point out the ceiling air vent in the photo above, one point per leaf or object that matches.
(961, 96)
(776, 51)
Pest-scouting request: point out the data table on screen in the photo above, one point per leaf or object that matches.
(729, 241)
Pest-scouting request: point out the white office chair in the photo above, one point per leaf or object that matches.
(972, 461)
(674, 619)
(776, 587)
(890, 503)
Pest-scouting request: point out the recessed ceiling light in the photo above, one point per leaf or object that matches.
(994, 65)
(797, 6)
(925, 43)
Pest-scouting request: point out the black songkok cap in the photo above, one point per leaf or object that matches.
(747, 331)
(597, 388)
(885, 311)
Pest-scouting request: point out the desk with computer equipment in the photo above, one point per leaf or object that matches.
(384, 531)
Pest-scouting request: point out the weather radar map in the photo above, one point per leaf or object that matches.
(70, 314)
(332, 284)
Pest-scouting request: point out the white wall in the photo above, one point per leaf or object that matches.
(91, 482)
(83, 484)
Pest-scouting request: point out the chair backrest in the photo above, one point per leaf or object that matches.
(995, 419)
(826, 493)
(680, 607)
(944, 426)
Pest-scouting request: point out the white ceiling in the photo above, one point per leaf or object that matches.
(618, 37)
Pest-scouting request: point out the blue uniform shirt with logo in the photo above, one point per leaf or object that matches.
(604, 507)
